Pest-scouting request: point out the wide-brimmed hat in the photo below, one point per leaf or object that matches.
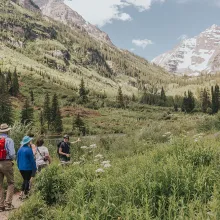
(4, 128)
(25, 140)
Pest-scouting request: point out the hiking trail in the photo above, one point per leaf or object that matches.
(16, 202)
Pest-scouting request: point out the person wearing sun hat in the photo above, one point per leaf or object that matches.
(26, 164)
(6, 167)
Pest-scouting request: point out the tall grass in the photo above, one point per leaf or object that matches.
(178, 179)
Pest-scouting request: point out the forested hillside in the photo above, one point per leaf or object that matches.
(41, 48)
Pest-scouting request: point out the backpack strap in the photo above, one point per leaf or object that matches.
(40, 153)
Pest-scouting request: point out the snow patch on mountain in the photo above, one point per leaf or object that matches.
(195, 55)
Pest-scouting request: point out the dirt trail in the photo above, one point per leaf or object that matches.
(16, 202)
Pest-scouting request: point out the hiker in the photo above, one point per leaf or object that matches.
(42, 155)
(7, 155)
(64, 149)
(26, 165)
(34, 149)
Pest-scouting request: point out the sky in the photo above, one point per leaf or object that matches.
(149, 28)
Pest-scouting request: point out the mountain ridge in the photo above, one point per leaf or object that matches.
(194, 55)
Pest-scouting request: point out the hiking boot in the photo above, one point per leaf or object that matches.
(2, 208)
(9, 206)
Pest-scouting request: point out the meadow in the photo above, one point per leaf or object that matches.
(160, 169)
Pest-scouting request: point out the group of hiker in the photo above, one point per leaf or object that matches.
(31, 159)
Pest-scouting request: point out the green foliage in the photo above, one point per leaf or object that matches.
(188, 102)
(18, 131)
(15, 85)
(56, 120)
(83, 93)
(120, 98)
(47, 110)
(27, 113)
(35, 208)
(215, 99)
(79, 126)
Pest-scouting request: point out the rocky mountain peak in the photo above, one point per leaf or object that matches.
(58, 10)
(195, 55)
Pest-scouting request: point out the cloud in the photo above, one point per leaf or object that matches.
(142, 43)
(132, 49)
(101, 12)
(182, 37)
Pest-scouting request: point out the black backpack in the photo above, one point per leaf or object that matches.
(58, 146)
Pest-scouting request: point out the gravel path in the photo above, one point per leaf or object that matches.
(16, 202)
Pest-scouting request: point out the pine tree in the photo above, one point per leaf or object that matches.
(79, 125)
(41, 117)
(15, 85)
(32, 96)
(163, 97)
(56, 119)
(83, 93)
(6, 112)
(205, 100)
(27, 113)
(47, 111)
(120, 98)
(9, 79)
(188, 102)
(215, 99)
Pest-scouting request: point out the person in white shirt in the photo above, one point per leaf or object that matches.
(42, 155)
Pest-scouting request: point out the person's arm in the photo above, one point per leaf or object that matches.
(10, 148)
(33, 162)
(78, 140)
(47, 155)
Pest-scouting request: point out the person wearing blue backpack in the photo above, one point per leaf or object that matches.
(26, 164)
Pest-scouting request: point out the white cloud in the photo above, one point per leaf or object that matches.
(182, 37)
(142, 43)
(132, 49)
(101, 12)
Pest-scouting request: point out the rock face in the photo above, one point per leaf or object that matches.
(57, 10)
(195, 55)
(28, 4)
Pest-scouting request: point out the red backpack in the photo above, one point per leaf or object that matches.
(3, 152)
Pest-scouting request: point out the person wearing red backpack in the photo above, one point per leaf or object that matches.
(7, 155)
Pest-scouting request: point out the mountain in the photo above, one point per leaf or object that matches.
(58, 10)
(195, 55)
(50, 51)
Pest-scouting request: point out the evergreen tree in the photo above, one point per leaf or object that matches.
(188, 102)
(47, 111)
(27, 113)
(120, 98)
(79, 125)
(163, 97)
(83, 93)
(9, 80)
(41, 117)
(215, 99)
(32, 96)
(15, 85)
(56, 120)
(205, 100)
(6, 112)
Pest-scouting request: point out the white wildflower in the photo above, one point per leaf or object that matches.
(196, 140)
(100, 170)
(107, 165)
(164, 135)
(93, 146)
(99, 156)
(76, 163)
(96, 160)
(84, 147)
(105, 162)
(168, 133)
